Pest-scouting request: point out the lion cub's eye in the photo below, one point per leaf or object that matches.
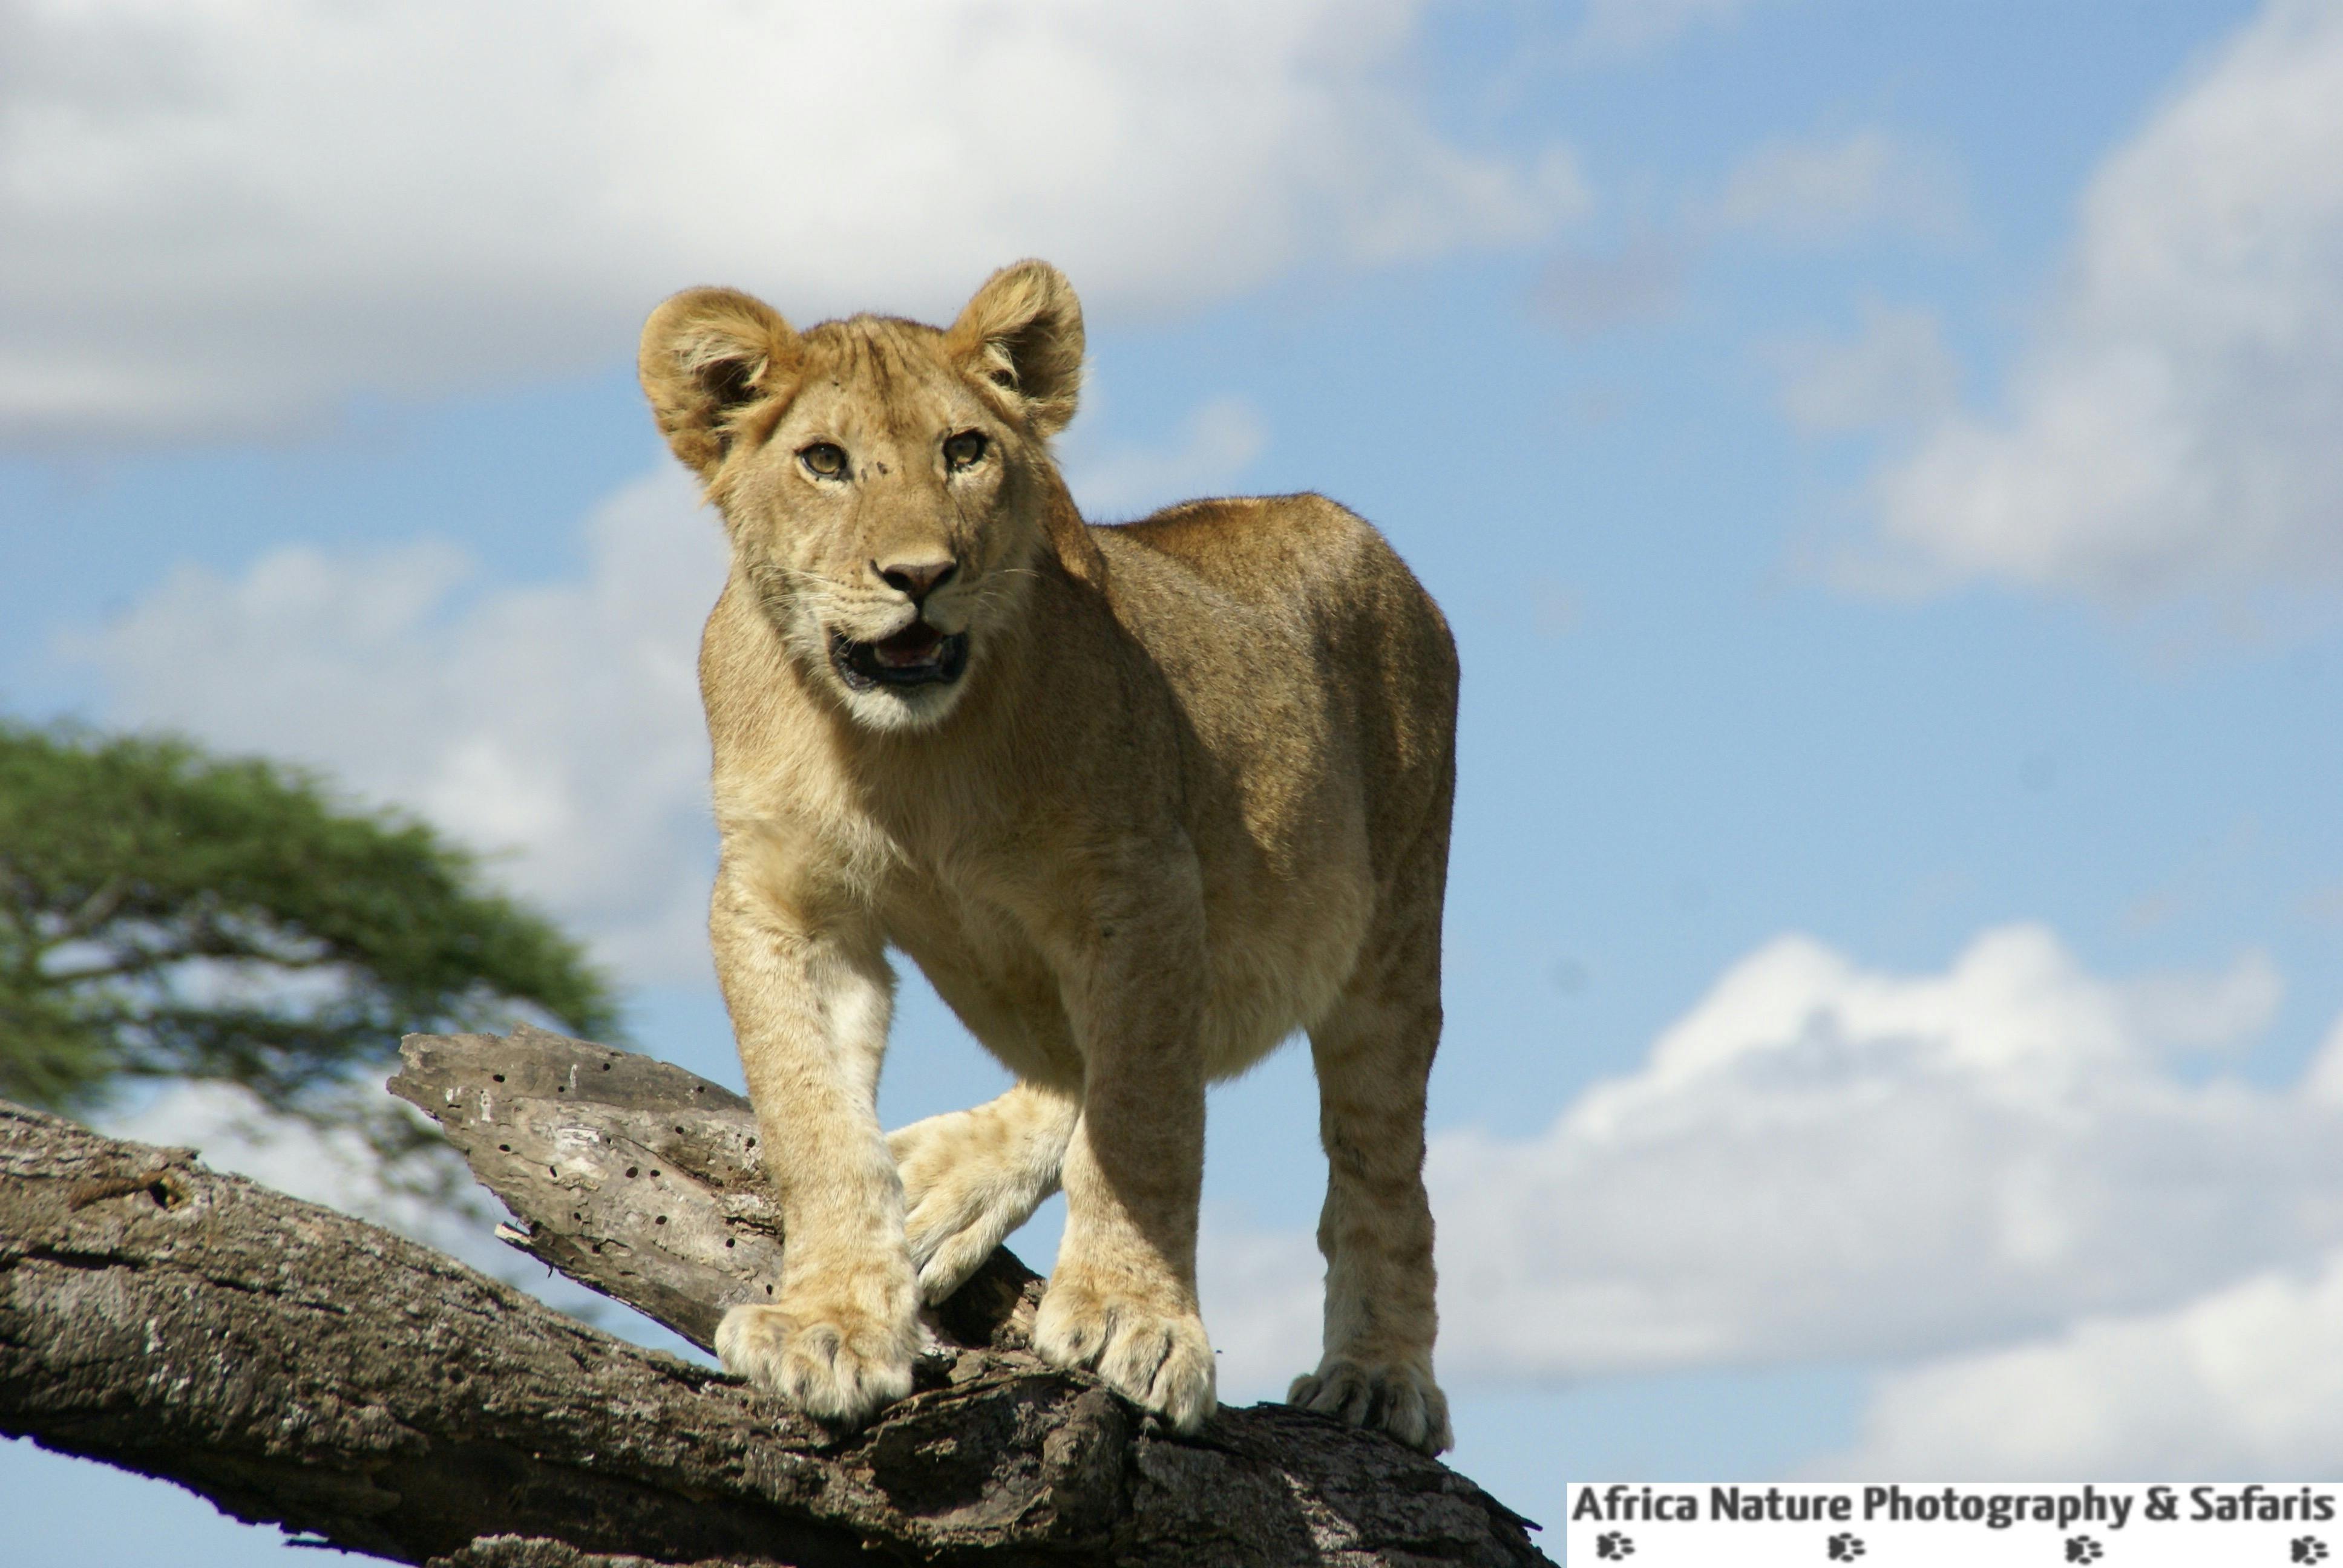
(963, 451)
(824, 459)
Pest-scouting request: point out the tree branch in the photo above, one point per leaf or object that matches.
(300, 1367)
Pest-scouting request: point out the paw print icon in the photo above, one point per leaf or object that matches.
(1845, 1548)
(2083, 1549)
(1612, 1544)
(2310, 1549)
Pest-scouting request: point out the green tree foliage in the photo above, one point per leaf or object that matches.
(165, 913)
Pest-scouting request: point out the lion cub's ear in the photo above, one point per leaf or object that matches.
(706, 354)
(1023, 334)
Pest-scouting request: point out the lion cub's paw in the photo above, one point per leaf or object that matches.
(840, 1367)
(1401, 1399)
(962, 1194)
(1158, 1359)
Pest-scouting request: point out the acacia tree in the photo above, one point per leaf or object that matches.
(168, 914)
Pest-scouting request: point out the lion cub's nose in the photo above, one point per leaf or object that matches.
(915, 580)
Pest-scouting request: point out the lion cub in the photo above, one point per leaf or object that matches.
(1141, 802)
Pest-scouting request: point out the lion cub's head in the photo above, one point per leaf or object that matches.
(887, 485)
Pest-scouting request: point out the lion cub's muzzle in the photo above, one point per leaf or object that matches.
(919, 655)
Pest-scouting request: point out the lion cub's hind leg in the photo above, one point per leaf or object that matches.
(970, 1177)
(1373, 1054)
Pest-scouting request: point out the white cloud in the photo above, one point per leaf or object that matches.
(1823, 1160)
(1638, 281)
(2325, 1079)
(1895, 370)
(2206, 1012)
(1218, 441)
(1804, 194)
(1612, 29)
(1263, 1294)
(2246, 1382)
(2172, 427)
(223, 218)
(1820, 1160)
(1826, 192)
(559, 722)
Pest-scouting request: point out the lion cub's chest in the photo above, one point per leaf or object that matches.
(982, 958)
(1276, 950)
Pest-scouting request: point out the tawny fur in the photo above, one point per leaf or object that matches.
(1191, 796)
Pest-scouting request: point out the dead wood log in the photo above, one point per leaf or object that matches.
(300, 1367)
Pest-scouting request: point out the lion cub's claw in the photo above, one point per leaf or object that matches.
(1161, 1360)
(840, 1369)
(1400, 1401)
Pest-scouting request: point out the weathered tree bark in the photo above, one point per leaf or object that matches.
(300, 1367)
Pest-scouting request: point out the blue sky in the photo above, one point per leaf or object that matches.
(1878, 461)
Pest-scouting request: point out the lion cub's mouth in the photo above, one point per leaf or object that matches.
(919, 655)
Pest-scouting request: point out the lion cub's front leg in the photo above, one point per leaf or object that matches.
(1123, 1298)
(810, 1010)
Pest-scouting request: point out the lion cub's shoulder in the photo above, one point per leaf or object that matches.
(1257, 602)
